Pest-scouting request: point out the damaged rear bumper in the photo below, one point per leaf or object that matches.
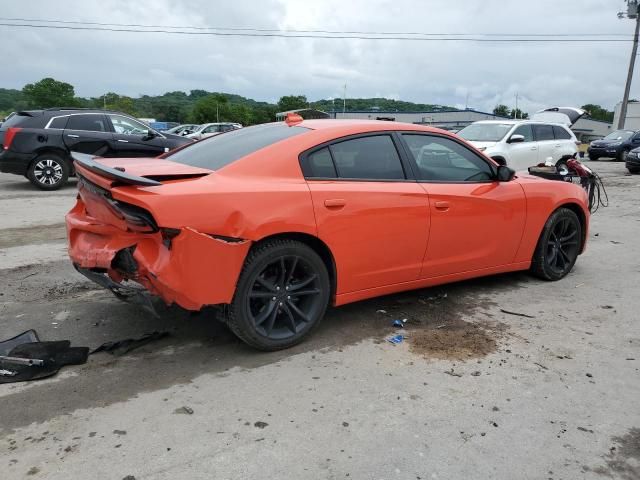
(191, 269)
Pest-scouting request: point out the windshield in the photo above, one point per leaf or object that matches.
(485, 132)
(221, 150)
(619, 135)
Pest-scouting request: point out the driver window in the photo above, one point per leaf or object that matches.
(440, 159)
(128, 126)
(525, 131)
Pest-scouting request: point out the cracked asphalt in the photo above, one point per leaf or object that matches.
(474, 392)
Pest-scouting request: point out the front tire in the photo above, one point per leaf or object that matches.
(558, 246)
(49, 171)
(622, 156)
(633, 170)
(282, 294)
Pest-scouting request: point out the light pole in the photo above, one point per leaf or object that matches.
(632, 12)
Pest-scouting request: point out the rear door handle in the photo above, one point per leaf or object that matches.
(442, 205)
(534, 148)
(123, 141)
(335, 203)
(73, 136)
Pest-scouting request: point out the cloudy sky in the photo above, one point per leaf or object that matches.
(543, 74)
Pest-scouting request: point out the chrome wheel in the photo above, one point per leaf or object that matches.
(48, 172)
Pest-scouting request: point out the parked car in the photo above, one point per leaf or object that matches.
(210, 129)
(520, 144)
(183, 130)
(615, 145)
(274, 222)
(37, 143)
(633, 161)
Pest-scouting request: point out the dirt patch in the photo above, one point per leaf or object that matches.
(623, 459)
(14, 237)
(457, 340)
(68, 289)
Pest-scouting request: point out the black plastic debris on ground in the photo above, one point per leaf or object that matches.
(24, 357)
(121, 347)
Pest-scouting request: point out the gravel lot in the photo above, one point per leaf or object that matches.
(474, 393)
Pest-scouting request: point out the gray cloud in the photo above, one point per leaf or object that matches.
(266, 68)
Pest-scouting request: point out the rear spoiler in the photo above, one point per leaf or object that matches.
(88, 162)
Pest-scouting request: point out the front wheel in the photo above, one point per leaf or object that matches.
(622, 156)
(558, 246)
(48, 171)
(282, 295)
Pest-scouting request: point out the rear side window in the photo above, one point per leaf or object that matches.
(221, 150)
(543, 132)
(58, 122)
(17, 120)
(371, 158)
(88, 123)
(560, 133)
(320, 164)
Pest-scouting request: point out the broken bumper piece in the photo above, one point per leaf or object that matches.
(135, 295)
(191, 269)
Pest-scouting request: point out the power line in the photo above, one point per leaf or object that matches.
(317, 36)
(329, 32)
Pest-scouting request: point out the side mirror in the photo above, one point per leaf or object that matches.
(516, 138)
(505, 174)
(150, 134)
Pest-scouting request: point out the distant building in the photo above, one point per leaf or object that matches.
(446, 119)
(632, 122)
(587, 129)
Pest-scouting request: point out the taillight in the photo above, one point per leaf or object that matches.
(9, 136)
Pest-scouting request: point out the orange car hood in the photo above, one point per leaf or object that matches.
(156, 167)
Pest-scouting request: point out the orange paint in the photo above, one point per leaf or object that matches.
(384, 237)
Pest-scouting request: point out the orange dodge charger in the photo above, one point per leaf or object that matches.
(276, 221)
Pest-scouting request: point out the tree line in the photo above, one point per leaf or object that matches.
(197, 106)
(595, 111)
(201, 106)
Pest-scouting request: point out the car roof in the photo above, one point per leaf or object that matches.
(365, 125)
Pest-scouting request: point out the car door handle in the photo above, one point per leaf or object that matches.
(73, 136)
(335, 203)
(123, 141)
(558, 146)
(534, 148)
(441, 205)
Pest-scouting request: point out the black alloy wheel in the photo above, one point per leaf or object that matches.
(282, 294)
(558, 246)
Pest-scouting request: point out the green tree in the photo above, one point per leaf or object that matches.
(501, 110)
(598, 113)
(292, 102)
(519, 114)
(49, 92)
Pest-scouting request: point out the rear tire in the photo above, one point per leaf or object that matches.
(633, 170)
(282, 294)
(558, 246)
(49, 171)
(594, 158)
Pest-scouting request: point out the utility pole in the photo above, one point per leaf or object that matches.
(632, 12)
(515, 112)
(344, 99)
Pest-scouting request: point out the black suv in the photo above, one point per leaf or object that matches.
(36, 143)
(615, 145)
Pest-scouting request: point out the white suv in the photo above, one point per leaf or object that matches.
(521, 143)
